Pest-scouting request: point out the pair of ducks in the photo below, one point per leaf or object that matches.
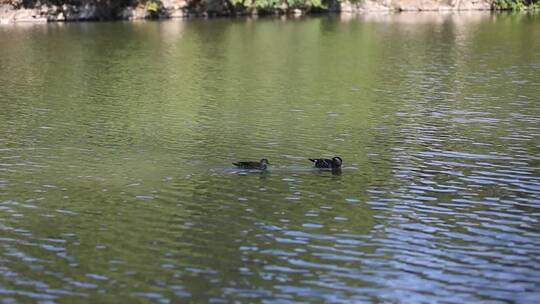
(321, 163)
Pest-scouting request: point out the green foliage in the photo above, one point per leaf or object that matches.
(266, 3)
(517, 5)
(152, 6)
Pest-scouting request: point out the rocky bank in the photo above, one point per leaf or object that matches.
(12, 11)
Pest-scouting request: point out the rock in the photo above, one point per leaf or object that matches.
(88, 12)
(27, 15)
(125, 13)
(175, 13)
(174, 8)
(133, 13)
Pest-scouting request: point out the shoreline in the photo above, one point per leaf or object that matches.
(181, 9)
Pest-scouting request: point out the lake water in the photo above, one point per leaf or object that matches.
(116, 143)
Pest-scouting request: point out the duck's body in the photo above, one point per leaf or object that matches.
(254, 165)
(325, 163)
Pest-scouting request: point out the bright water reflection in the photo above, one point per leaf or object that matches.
(117, 139)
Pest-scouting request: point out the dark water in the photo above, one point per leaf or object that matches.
(116, 141)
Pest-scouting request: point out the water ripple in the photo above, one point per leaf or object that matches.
(116, 178)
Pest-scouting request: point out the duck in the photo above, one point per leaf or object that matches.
(256, 165)
(325, 163)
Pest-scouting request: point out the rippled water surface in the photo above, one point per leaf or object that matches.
(116, 144)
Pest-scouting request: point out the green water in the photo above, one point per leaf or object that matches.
(116, 182)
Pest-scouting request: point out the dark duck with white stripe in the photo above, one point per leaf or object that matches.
(325, 163)
(254, 165)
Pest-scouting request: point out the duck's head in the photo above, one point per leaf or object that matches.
(337, 161)
(264, 162)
